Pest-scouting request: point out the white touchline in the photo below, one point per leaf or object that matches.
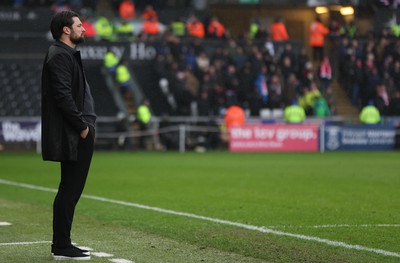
(5, 224)
(24, 243)
(216, 220)
(339, 226)
(120, 260)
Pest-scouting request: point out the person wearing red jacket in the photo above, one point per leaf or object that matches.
(216, 29)
(278, 31)
(149, 12)
(195, 28)
(127, 9)
(150, 26)
(317, 38)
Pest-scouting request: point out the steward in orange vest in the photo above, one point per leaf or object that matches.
(150, 26)
(127, 9)
(195, 28)
(317, 38)
(317, 33)
(278, 31)
(216, 29)
(149, 12)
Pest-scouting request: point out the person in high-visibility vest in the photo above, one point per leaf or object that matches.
(104, 28)
(195, 28)
(370, 114)
(110, 61)
(178, 27)
(253, 29)
(317, 38)
(125, 30)
(294, 113)
(123, 77)
(278, 31)
(143, 115)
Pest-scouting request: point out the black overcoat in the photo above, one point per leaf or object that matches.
(63, 89)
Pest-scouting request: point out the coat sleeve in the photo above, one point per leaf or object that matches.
(61, 70)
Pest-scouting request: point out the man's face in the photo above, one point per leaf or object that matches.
(77, 35)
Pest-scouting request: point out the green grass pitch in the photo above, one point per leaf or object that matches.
(212, 207)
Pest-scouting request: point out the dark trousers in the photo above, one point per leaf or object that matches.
(73, 179)
(318, 53)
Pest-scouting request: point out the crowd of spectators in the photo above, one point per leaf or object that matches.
(370, 71)
(252, 74)
(260, 69)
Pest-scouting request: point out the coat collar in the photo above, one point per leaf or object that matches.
(65, 46)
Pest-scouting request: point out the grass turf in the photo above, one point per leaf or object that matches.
(288, 191)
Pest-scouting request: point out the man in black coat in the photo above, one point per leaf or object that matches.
(68, 126)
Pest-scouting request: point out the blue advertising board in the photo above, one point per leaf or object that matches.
(358, 138)
(20, 131)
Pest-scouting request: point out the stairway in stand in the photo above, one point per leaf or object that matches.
(344, 107)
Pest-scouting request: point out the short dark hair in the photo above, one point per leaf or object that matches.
(59, 21)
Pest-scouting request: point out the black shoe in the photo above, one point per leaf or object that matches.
(69, 253)
(72, 246)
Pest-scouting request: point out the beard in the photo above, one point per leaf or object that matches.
(77, 39)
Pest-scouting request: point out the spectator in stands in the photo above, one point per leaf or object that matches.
(143, 116)
(294, 113)
(317, 38)
(104, 28)
(203, 104)
(262, 33)
(349, 30)
(302, 60)
(124, 79)
(68, 122)
(127, 10)
(287, 68)
(125, 31)
(110, 61)
(261, 83)
(331, 100)
(368, 90)
(151, 27)
(195, 28)
(355, 79)
(382, 100)
(307, 100)
(216, 29)
(253, 28)
(325, 74)
(275, 93)
(370, 114)
(278, 30)
(178, 27)
(293, 87)
(307, 75)
(321, 108)
(334, 33)
(149, 12)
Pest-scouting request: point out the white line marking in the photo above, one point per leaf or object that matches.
(339, 226)
(24, 243)
(5, 224)
(219, 221)
(101, 254)
(120, 260)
